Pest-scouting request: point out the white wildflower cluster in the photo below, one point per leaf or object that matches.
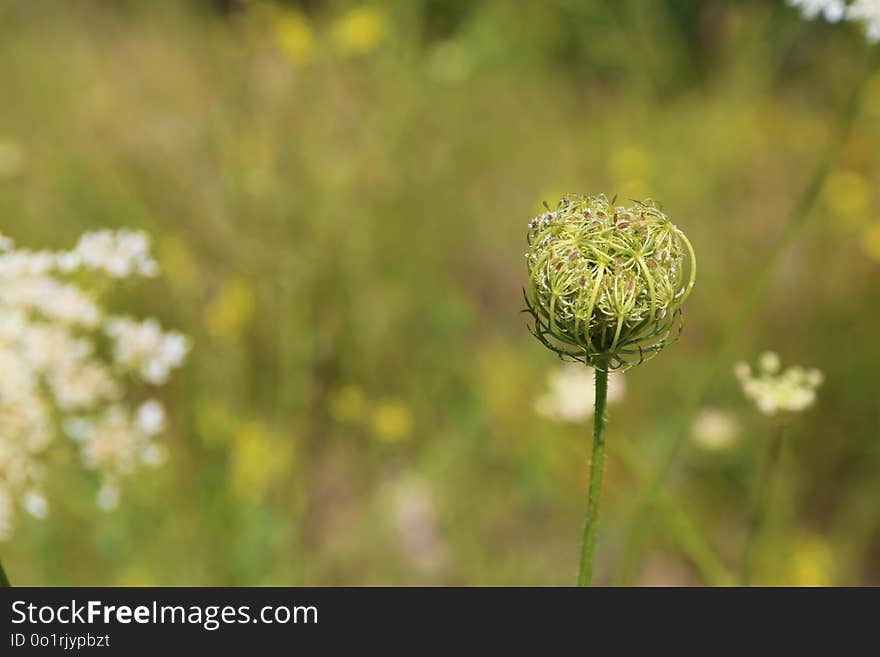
(145, 348)
(834, 11)
(775, 390)
(117, 254)
(571, 393)
(63, 360)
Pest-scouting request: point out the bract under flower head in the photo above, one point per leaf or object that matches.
(606, 282)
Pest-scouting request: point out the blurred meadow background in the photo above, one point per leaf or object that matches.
(338, 195)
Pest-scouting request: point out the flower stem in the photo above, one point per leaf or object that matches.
(595, 487)
(674, 438)
(4, 580)
(767, 474)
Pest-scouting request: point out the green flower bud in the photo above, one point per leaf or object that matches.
(606, 283)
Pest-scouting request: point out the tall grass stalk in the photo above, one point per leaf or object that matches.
(796, 219)
(767, 475)
(681, 528)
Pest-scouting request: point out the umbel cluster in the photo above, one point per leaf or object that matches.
(606, 281)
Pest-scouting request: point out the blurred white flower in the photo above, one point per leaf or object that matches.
(714, 429)
(769, 362)
(117, 254)
(791, 390)
(571, 393)
(35, 504)
(108, 496)
(55, 381)
(833, 11)
(152, 455)
(867, 11)
(146, 348)
(413, 519)
(151, 418)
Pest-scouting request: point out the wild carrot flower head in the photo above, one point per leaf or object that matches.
(67, 365)
(606, 282)
(775, 390)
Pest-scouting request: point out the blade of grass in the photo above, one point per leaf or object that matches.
(767, 473)
(796, 219)
(688, 536)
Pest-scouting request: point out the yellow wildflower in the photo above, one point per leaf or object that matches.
(178, 261)
(347, 404)
(870, 240)
(391, 421)
(812, 563)
(295, 37)
(847, 195)
(258, 460)
(359, 31)
(231, 310)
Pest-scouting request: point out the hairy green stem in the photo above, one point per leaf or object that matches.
(767, 474)
(4, 580)
(596, 466)
(795, 221)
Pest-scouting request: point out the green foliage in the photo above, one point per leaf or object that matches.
(338, 202)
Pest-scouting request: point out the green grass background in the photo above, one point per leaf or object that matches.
(339, 204)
